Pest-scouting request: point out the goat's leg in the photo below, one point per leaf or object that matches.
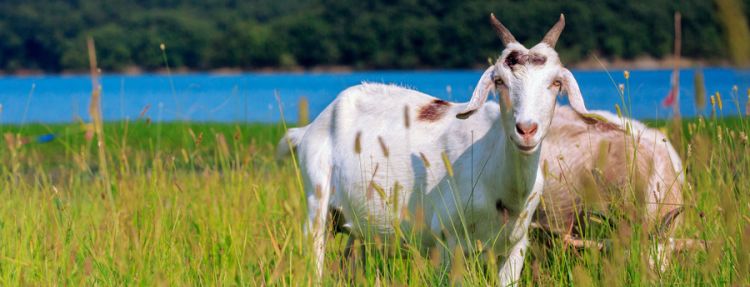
(510, 271)
(349, 244)
(317, 213)
(665, 246)
(659, 259)
(350, 256)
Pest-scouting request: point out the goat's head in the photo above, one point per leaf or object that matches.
(528, 82)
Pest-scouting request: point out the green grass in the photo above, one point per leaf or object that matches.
(208, 204)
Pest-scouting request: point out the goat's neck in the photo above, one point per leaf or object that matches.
(521, 169)
(514, 173)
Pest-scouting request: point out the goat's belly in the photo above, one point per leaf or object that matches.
(376, 193)
(371, 208)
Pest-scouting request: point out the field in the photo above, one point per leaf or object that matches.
(209, 204)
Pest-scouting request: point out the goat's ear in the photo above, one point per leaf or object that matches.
(576, 99)
(574, 94)
(484, 86)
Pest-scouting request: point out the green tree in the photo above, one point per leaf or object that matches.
(382, 34)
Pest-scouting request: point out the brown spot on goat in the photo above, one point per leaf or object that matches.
(516, 58)
(606, 126)
(537, 59)
(433, 111)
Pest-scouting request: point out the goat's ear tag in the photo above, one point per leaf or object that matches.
(465, 115)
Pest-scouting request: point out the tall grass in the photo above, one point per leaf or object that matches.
(208, 204)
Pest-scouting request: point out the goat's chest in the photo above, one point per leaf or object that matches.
(498, 219)
(486, 219)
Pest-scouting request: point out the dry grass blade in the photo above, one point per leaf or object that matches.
(95, 111)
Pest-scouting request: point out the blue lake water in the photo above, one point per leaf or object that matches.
(250, 97)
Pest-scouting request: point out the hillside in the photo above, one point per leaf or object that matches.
(50, 35)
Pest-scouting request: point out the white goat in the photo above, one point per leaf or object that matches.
(581, 156)
(371, 149)
(599, 162)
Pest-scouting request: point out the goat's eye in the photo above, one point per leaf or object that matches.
(556, 84)
(499, 82)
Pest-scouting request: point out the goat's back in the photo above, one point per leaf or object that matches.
(590, 168)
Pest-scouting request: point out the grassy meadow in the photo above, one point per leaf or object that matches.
(209, 204)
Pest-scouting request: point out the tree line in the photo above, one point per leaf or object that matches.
(51, 35)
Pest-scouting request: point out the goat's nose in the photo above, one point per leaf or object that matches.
(526, 129)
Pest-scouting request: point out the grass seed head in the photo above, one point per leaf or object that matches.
(424, 160)
(144, 111)
(384, 147)
(397, 187)
(222, 142)
(619, 111)
(379, 189)
(718, 100)
(700, 89)
(318, 191)
(603, 154)
(457, 266)
(447, 164)
(185, 156)
(419, 218)
(357, 143)
(743, 255)
(435, 257)
(237, 134)
(713, 101)
(303, 111)
(10, 140)
(404, 213)
(581, 276)
(407, 122)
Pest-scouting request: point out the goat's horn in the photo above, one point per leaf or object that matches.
(554, 32)
(502, 32)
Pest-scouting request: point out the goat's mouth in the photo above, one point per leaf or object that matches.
(527, 149)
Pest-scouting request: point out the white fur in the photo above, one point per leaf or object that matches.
(490, 160)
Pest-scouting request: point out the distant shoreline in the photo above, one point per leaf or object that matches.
(590, 64)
